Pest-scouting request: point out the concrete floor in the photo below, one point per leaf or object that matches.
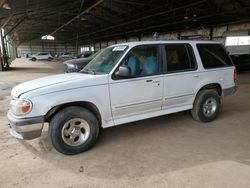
(168, 151)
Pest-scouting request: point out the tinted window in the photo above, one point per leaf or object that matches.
(43, 54)
(180, 57)
(142, 61)
(213, 55)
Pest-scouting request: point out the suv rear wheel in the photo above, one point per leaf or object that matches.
(206, 106)
(73, 130)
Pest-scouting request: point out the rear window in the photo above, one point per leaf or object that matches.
(213, 56)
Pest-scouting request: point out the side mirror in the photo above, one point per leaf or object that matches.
(123, 71)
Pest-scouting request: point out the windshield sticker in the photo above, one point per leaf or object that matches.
(119, 48)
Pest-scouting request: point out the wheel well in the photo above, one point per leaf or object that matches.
(90, 106)
(212, 86)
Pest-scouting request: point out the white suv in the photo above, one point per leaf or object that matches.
(124, 83)
(42, 56)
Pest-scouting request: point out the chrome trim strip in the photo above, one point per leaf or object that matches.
(178, 96)
(147, 102)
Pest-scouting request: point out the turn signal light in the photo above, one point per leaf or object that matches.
(26, 109)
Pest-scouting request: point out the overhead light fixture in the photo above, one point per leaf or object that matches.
(6, 6)
(47, 37)
(194, 18)
(186, 17)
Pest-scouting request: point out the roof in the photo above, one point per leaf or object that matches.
(131, 44)
(90, 21)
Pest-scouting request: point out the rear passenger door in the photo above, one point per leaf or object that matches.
(181, 76)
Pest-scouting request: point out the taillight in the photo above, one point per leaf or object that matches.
(235, 75)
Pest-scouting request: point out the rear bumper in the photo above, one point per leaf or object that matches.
(25, 128)
(229, 91)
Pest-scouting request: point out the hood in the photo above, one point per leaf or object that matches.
(48, 82)
(77, 61)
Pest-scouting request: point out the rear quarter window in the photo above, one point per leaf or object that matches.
(213, 56)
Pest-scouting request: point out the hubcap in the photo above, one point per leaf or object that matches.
(209, 107)
(75, 132)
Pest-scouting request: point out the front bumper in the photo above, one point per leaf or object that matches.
(25, 128)
(229, 91)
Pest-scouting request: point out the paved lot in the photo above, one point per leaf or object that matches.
(168, 151)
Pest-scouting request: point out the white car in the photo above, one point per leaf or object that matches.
(42, 56)
(67, 55)
(124, 83)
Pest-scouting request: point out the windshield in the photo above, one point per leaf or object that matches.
(105, 60)
(94, 54)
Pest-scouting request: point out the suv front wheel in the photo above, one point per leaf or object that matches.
(206, 106)
(73, 130)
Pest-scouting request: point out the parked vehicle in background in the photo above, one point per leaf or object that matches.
(87, 54)
(241, 62)
(124, 83)
(75, 65)
(41, 56)
(67, 55)
(58, 54)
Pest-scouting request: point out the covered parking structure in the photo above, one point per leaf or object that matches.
(167, 151)
(97, 24)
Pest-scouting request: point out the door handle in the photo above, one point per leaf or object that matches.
(156, 81)
(196, 76)
(149, 80)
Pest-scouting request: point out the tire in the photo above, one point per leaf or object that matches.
(206, 106)
(33, 59)
(69, 123)
(50, 59)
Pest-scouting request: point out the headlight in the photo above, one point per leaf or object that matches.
(20, 107)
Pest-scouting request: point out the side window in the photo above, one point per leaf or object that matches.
(179, 57)
(142, 61)
(213, 56)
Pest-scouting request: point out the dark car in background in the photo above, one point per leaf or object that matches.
(75, 65)
(241, 62)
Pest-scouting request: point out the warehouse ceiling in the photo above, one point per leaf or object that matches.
(100, 20)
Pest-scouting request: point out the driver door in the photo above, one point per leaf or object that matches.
(142, 92)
